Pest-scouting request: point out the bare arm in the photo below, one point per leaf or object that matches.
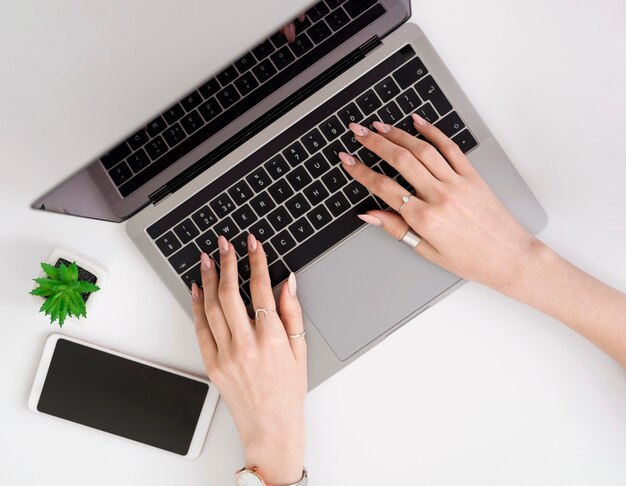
(468, 231)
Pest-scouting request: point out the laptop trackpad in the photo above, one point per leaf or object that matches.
(366, 287)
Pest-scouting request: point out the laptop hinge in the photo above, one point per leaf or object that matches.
(259, 124)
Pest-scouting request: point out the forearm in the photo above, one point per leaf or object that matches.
(563, 291)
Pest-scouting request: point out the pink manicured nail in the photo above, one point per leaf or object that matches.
(347, 158)
(419, 120)
(358, 130)
(292, 286)
(223, 244)
(195, 291)
(205, 262)
(291, 29)
(381, 127)
(373, 220)
(251, 243)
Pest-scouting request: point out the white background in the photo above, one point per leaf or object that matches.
(479, 390)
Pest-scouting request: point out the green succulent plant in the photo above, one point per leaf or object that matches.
(65, 294)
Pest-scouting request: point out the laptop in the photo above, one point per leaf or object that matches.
(254, 149)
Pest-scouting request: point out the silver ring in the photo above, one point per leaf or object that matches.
(411, 238)
(405, 200)
(264, 311)
(296, 336)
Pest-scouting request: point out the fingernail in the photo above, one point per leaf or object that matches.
(292, 286)
(419, 120)
(223, 244)
(381, 127)
(291, 28)
(347, 158)
(373, 220)
(205, 262)
(195, 291)
(251, 243)
(358, 130)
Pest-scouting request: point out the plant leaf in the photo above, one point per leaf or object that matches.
(49, 283)
(77, 305)
(73, 268)
(42, 291)
(62, 309)
(85, 287)
(50, 270)
(64, 273)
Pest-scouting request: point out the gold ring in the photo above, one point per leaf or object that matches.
(296, 336)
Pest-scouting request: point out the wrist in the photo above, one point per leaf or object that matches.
(279, 459)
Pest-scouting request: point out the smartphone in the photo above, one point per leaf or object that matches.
(124, 396)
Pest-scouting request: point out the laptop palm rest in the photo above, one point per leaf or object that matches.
(365, 287)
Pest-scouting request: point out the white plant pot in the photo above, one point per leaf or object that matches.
(99, 272)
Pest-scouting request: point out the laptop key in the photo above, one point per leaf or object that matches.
(282, 58)
(357, 7)
(283, 242)
(450, 124)
(301, 229)
(332, 152)
(295, 154)
(173, 113)
(313, 141)
(278, 272)
(192, 122)
(174, 135)
(279, 39)
(226, 228)
(210, 109)
(317, 12)
(204, 218)
(368, 102)
(329, 236)
(120, 173)
(279, 218)
(387, 89)
(355, 192)
(337, 204)
(334, 180)
(332, 128)
(317, 165)
(262, 230)
(186, 231)
(429, 90)
(408, 101)
(262, 204)
(410, 72)
(207, 241)
(319, 31)
(297, 205)
(156, 126)
(259, 179)
(185, 258)
(190, 101)
(264, 71)
(276, 166)
(168, 243)
(138, 139)
(246, 83)
(270, 253)
(245, 62)
(350, 142)
(240, 242)
(138, 160)
(222, 205)
(316, 193)
(244, 216)
(368, 157)
(280, 191)
(192, 276)
(407, 125)
(334, 3)
(337, 19)
(227, 76)
(350, 114)
(228, 96)
(240, 192)
(465, 140)
(210, 88)
(156, 148)
(298, 178)
(243, 266)
(301, 45)
(427, 112)
(116, 155)
(263, 50)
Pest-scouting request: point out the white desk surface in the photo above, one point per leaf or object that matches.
(480, 390)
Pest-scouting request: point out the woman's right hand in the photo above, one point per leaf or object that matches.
(463, 226)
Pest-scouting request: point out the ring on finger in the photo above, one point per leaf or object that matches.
(405, 200)
(263, 311)
(411, 238)
(296, 336)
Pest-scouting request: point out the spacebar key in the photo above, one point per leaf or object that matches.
(332, 234)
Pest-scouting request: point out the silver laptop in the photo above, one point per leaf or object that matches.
(254, 149)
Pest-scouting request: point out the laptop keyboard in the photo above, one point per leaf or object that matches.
(222, 99)
(293, 194)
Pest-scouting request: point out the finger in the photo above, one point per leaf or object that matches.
(421, 150)
(290, 31)
(396, 226)
(261, 289)
(206, 342)
(399, 157)
(212, 306)
(378, 184)
(450, 150)
(291, 315)
(302, 17)
(228, 291)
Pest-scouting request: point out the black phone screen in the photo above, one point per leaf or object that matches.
(123, 397)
